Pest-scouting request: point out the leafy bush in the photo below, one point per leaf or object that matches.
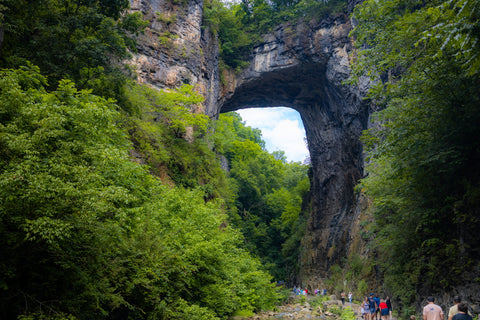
(317, 301)
(347, 314)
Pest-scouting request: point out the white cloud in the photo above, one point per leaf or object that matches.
(282, 129)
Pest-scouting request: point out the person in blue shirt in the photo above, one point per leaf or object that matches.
(377, 304)
(372, 306)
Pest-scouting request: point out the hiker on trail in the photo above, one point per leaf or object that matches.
(454, 309)
(389, 305)
(432, 311)
(377, 301)
(366, 308)
(350, 297)
(462, 312)
(362, 309)
(342, 295)
(372, 306)
(383, 310)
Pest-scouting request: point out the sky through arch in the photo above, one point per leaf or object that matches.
(282, 129)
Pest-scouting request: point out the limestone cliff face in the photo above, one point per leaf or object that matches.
(175, 48)
(301, 66)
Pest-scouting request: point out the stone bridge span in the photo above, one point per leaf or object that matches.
(301, 66)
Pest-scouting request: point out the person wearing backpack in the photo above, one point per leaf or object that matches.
(366, 308)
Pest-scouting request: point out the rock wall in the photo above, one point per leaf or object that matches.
(176, 49)
(301, 66)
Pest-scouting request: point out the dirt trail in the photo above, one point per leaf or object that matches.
(296, 310)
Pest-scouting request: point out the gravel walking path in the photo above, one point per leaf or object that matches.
(299, 311)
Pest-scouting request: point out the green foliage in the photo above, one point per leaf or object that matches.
(268, 195)
(200, 258)
(174, 140)
(67, 187)
(166, 19)
(317, 301)
(79, 40)
(362, 288)
(42, 316)
(88, 234)
(335, 309)
(347, 314)
(423, 151)
(236, 41)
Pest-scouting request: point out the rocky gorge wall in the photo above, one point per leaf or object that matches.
(301, 66)
(175, 48)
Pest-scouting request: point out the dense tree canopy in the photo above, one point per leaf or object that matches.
(88, 234)
(424, 151)
(84, 41)
(268, 198)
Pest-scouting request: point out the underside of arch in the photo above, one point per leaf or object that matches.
(291, 87)
(334, 120)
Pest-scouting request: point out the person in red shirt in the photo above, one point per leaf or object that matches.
(383, 309)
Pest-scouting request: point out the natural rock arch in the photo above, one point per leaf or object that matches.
(301, 66)
(305, 70)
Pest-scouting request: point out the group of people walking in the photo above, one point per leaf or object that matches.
(299, 291)
(342, 297)
(459, 311)
(374, 308)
